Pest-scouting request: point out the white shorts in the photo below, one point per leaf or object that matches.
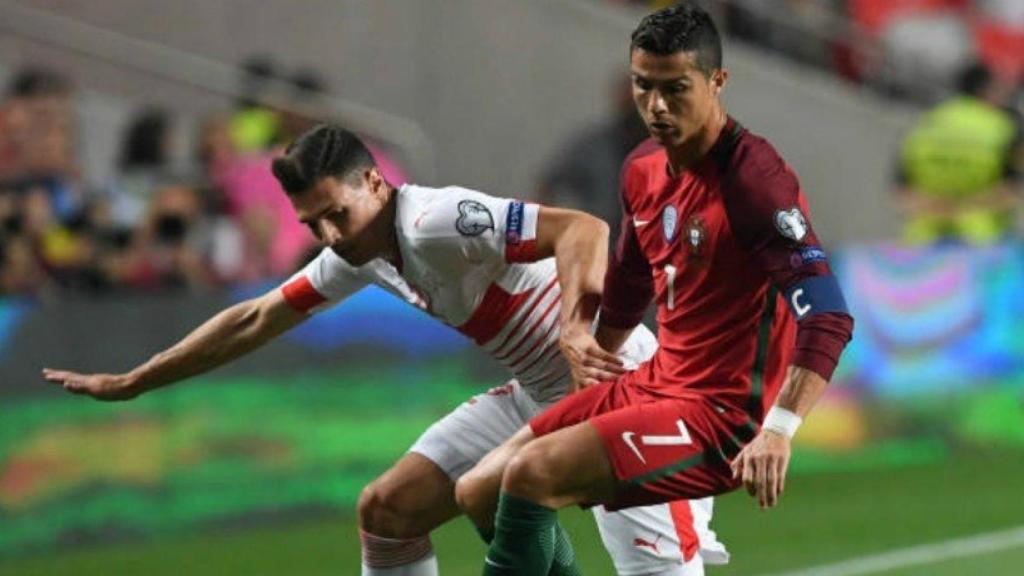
(642, 541)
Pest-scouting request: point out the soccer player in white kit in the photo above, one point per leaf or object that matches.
(497, 270)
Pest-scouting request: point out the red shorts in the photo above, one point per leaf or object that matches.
(661, 448)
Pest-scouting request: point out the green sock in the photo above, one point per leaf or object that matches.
(524, 539)
(486, 534)
(564, 563)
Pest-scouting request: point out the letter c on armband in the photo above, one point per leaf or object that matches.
(815, 295)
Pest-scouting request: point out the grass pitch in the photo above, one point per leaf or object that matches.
(824, 518)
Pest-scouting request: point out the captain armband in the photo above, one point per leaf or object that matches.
(815, 295)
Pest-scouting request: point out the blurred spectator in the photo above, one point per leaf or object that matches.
(254, 127)
(584, 174)
(273, 239)
(20, 270)
(176, 247)
(958, 169)
(37, 137)
(144, 166)
(999, 29)
(160, 223)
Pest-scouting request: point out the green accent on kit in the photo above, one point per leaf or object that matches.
(763, 335)
(684, 464)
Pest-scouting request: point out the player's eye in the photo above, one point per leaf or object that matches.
(314, 228)
(641, 84)
(677, 88)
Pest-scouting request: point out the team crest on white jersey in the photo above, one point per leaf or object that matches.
(474, 218)
(791, 224)
(669, 219)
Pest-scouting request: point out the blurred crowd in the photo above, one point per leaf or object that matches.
(906, 48)
(216, 218)
(958, 173)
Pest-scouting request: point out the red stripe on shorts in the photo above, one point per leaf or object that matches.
(682, 518)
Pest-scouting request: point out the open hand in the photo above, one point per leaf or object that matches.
(590, 363)
(100, 386)
(762, 465)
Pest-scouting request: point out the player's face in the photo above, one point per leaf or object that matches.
(672, 94)
(346, 215)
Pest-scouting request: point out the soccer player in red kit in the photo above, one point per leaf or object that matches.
(751, 322)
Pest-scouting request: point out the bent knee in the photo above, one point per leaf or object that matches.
(470, 492)
(532, 473)
(385, 512)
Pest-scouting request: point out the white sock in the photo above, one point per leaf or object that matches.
(397, 557)
(422, 567)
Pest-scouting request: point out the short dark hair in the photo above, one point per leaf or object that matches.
(685, 27)
(322, 151)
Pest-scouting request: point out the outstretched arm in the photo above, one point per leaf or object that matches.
(579, 243)
(228, 335)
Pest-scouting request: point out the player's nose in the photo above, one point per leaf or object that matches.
(657, 104)
(330, 235)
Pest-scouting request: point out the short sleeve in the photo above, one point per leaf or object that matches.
(325, 281)
(484, 227)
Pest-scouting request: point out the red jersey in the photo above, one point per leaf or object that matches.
(722, 248)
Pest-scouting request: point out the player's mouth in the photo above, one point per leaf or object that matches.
(662, 127)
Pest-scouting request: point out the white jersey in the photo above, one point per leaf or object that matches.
(465, 258)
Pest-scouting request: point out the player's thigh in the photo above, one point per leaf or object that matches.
(668, 449)
(581, 406)
(461, 439)
(566, 466)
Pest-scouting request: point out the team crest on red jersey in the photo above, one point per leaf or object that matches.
(696, 234)
(696, 240)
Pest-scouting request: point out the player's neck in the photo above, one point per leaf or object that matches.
(693, 150)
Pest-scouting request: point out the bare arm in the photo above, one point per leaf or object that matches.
(221, 339)
(763, 463)
(579, 243)
(801, 390)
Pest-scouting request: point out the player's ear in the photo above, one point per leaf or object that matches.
(719, 78)
(375, 179)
